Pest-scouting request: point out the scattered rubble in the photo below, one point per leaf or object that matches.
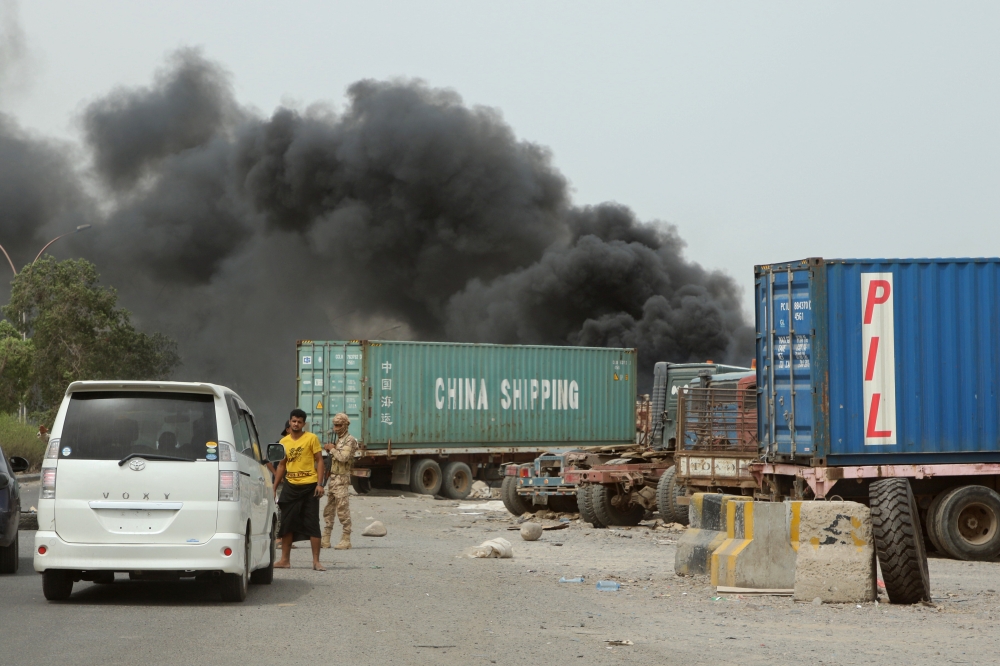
(531, 531)
(376, 529)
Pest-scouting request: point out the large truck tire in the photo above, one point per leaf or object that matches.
(362, 485)
(899, 541)
(516, 504)
(608, 513)
(967, 523)
(667, 493)
(563, 504)
(930, 525)
(584, 500)
(425, 478)
(456, 480)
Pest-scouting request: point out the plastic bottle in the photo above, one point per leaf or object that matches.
(608, 586)
(578, 579)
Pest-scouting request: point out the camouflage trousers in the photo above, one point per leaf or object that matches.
(337, 505)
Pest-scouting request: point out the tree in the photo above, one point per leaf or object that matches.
(76, 333)
(16, 359)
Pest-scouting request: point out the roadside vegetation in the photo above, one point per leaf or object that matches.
(61, 326)
(19, 439)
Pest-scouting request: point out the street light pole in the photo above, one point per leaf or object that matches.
(23, 409)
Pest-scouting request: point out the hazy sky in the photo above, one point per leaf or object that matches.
(765, 131)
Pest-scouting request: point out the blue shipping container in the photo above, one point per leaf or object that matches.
(879, 361)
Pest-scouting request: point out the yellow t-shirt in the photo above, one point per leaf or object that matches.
(300, 465)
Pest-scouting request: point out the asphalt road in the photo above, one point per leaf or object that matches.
(414, 597)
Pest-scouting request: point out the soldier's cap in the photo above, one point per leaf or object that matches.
(341, 418)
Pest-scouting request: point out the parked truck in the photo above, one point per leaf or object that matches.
(613, 484)
(434, 416)
(879, 381)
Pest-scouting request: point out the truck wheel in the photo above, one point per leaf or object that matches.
(899, 541)
(426, 477)
(457, 480)
(362, 485)
(663, 491)
(930, 526)
(9, 557)
(609, 514)
(563, 504)
(586, 503)
(57, 584)
(516, 504)
(968, 523)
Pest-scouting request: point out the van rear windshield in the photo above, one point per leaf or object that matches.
(109, 425)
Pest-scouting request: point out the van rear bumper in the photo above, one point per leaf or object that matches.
(206, 556)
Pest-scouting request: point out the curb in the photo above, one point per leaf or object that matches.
(21, 478)
(29, 521)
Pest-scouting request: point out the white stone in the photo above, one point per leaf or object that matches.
(531, 531)
(376, 529)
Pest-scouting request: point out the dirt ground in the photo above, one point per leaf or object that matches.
(415, 597)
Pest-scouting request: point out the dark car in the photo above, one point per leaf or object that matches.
(10, 511)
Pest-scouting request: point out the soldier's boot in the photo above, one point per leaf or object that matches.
(325, 543)
(345, 542)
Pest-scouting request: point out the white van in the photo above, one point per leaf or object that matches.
(162, 480)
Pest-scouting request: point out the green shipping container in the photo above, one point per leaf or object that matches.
(452, 397)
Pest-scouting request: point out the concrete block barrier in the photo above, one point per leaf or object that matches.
(757, 551)
(707, 531)
(835, 551)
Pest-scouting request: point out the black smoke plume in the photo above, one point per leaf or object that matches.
(405, 215)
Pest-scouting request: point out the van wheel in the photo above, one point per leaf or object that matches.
(266, 575)
(457, 480)
(426, 477)
(967, 523)
(899, 541)
(9, 557)
(57, 584)
(609, 514)
(514, 503)
(585, 500)
(234, 586)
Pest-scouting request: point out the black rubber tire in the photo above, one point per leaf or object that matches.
(930, 525)
(456, 480)
(563, 504)
(967, 523)
(584, 499)
(233, 587)
(9, 557)
(516, 504)
(425, 477)
(899, 541)
(105, 578)
(609, 514)
(57, 584)
(266, 575)
(663, 504)
(362, 484)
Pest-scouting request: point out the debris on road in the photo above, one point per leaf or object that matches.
(376, 529)
(612, 642)
(531, 531)
(494, 505)
(578, 579)
(608, 586)
(497, 547)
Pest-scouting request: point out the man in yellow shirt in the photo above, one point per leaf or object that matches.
(302, 474)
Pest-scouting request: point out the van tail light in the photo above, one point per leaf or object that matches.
(229, 486)
(227, 452)
(48, 483)
(52, 450)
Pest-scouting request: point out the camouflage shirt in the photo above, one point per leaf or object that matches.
(342, 455)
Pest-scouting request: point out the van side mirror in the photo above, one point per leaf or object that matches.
(275, 453)
(18, 464)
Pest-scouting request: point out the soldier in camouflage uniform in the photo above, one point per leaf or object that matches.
(339, 485)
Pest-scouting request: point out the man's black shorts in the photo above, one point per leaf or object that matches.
(299, 511)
